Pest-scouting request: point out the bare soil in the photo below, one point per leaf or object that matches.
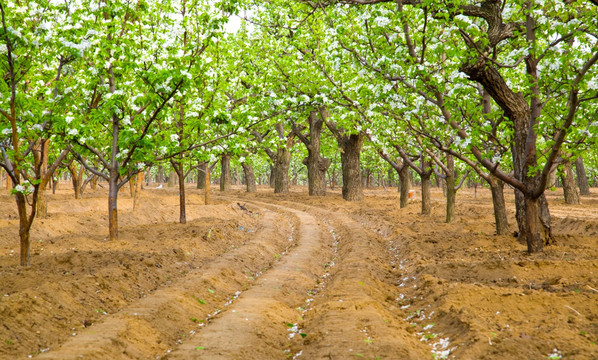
(296, 277)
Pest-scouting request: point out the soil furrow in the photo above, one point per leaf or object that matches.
(171, 314)
(258, 325)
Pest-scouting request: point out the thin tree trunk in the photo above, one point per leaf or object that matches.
(582, 177)
(225, 176)
(182, 202)
(249, 177)
(112, 205)
(404, 185)
(138, 188)
(451, 189)
(426, 198)
(207, 188)
(500, 210)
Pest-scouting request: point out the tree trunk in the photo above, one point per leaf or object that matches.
(207, 188)
(316, 164)
(182, 202)
(426, 198)
(569, 186)
(160, 175)
(498, 201)
(350, 156)
(272, 177)
(582, 177)
(138, 188)
(132, 187)
(451, 189)
(404, 185)
(201, 176)
(172, 179)
(94, 182)
(24, 229)
(112, 205)
(76, 179)
(225, 176)
(42, 204)
(249, 177)
(281, 170)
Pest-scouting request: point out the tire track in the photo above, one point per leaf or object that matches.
(174, 313)
(258, 325)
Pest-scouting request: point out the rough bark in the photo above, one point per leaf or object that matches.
(201, 176)
(225, 176)
(498, 202)
(316, 164)
(281, 170)
(249, 177)
(569, 186)
(350, 161)
(582, 177)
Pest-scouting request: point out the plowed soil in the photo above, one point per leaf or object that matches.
(296, 277)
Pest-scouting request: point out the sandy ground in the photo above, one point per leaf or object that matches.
(296, 277)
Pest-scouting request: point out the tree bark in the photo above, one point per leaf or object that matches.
(582, 177)
(207, 188)
(404, 185)
(451, 189)
(569, 186)
(317, 166)
(350, 161)
(201, 176)
(498, 202)
(182, 202)
(172, 179)
(112, 205)
(426, 198)
(225, 176)
(281, 170)
(249, 177)
(138, 188)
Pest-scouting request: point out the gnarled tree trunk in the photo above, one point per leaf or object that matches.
(249, 177)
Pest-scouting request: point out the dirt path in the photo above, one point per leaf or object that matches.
(354, 314)
(142, 329)
(261, 322)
